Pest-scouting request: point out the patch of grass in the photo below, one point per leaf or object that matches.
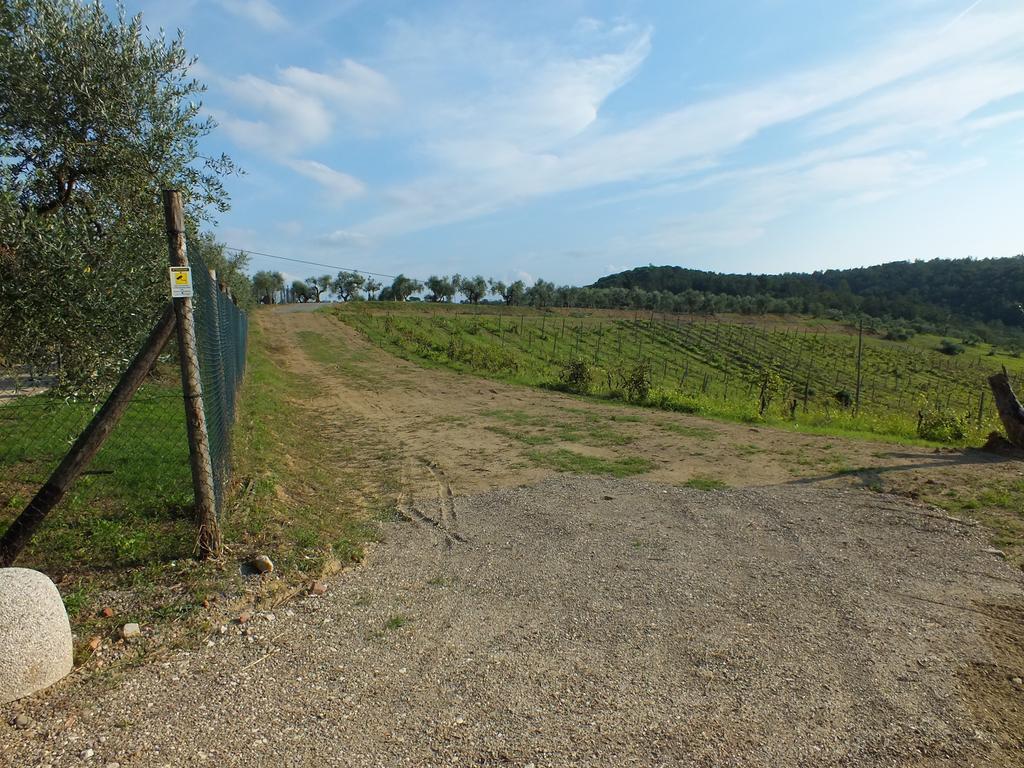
(396, 622)
(702, 483)
(519, 418)
(564, 460)
(529, 438)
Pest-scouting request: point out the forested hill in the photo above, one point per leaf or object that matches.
(989, 290)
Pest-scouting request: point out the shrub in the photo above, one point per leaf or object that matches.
(576, 375)
(949, 347)
(941, 425)
(636, 382)
(844, 398)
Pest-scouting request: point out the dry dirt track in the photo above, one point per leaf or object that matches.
(590, 622)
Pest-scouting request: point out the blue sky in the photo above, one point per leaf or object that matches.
(569, 139)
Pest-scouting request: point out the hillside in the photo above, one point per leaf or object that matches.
(986, 290)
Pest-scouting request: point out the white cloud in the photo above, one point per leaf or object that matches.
(356, 89)
(532, 126)
(260, 12)
(340, 187)
(343, 238)
(289, 120)
(300, 111)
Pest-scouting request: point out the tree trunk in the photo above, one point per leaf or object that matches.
(1010, 411)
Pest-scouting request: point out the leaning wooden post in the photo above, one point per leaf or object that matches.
(195, 416)
(88, 443)
(1010, 411)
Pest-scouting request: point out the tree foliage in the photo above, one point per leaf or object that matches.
(96, 117)
(266, 286)
(441, 288)
(401, 288)
(348, 284)
(989, 290)
(473, 288)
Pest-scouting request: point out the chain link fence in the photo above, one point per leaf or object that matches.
(221, 340)
(134, 501)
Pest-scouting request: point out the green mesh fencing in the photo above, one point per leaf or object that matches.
(221, 337)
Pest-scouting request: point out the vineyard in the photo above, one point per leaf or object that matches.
(817, 376)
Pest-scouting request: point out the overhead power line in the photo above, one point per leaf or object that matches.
(303, 261)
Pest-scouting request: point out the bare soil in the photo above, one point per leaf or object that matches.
(514, 616)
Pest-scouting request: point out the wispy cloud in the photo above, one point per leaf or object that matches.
(343, 239)
(539, 131)
(340, 187)
(300, 110)
(260, 12)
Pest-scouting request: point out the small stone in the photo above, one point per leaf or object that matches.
(107, 612)
(244, 617)
(87, 753)
(22, 721)
(1017, 681)
(94, 642)
(223, 629)
(262, 564)
(132, 630)
(113, 765)
(317, 588)
(996, 552)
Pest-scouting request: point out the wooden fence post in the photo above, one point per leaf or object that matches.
(195, 416)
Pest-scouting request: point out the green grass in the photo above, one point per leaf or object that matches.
(702, 366)
(702, 483)
(396, 622)
(132, 504)
(563, 460)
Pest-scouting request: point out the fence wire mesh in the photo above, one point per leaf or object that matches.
(134, 501)
(221, 337)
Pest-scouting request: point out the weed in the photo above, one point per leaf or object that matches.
(564, 460)
(705, 483)
(396, 622)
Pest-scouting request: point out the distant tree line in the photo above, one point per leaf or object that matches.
(934, 292)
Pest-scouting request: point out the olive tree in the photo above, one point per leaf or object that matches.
(266, 285)
(473, 288)
(371, 287)
(319, 285)
(96, 117)
(402, 288)
(348, 284)
(441, 288)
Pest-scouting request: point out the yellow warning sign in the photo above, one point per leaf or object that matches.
(181, 282)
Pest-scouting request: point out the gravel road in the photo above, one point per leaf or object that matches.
(593, 622)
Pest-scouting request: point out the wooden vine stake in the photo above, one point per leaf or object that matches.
(1010, 411)
(195, 416)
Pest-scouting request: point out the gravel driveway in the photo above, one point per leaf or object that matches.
(593, 622)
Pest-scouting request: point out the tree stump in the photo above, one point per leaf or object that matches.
(1010, 411)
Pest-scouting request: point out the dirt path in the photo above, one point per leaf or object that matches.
(480, 434)
(513, 616)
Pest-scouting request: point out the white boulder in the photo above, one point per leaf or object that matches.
(35, 635)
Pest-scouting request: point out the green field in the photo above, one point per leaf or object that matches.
(133, 502)
(791, 371)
